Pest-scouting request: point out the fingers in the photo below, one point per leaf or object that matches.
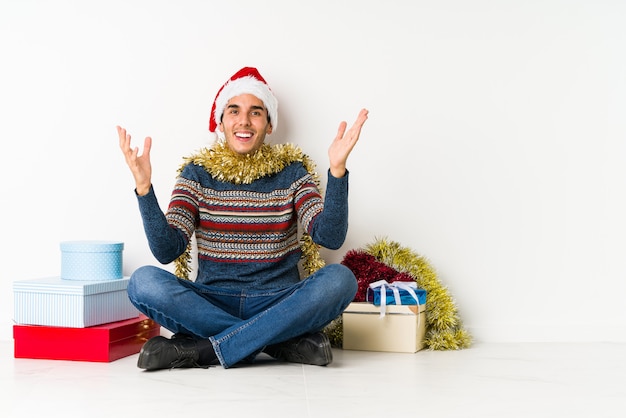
(124, 138)
(355, 130)
(147, 145)
(130, 155)
(362, 117)
(360, 120)
(341, 131)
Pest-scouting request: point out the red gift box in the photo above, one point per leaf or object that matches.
(100, 343)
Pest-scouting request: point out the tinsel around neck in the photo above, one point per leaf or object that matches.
(223, 164)
(226, 165)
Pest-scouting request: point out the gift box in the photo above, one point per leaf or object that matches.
(100, 343)
(396, 293)
(53, 301)
(401, 329)
(91, 260)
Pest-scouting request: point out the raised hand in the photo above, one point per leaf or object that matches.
(139, 164)
(343, 144)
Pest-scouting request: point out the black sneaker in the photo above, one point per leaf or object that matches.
(309, 349)
(162, 353)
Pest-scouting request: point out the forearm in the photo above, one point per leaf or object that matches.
(330, 227)
(166, 242)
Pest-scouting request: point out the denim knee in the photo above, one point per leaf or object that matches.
(339, 281)
(144, 283)
(344, 277)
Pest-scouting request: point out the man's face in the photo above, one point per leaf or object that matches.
(245, 124)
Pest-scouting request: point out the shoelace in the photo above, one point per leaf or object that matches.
(186, 359)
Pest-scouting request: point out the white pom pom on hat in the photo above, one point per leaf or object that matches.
(248, 80)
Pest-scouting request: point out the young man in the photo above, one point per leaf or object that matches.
(243, 199)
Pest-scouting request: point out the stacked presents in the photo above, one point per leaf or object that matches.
(85, 313)
(392, 318)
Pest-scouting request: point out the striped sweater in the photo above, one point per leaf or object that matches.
(246, 234)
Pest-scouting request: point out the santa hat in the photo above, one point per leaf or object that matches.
(245, 81)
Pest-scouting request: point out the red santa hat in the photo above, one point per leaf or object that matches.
(245, 81)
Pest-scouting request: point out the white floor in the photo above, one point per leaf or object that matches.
(487, 380)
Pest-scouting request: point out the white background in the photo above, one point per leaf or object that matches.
(494, 147)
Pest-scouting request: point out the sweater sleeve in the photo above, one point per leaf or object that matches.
(166, 242)
(330, 227)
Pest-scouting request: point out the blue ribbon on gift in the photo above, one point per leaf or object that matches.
(396, 293)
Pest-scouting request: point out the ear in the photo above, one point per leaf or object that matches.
(220, 126)
(269, 129)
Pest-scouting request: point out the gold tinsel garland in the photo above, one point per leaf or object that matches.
(225, 165)
(444, 329)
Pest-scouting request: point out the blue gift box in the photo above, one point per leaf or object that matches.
(91, 260)
(374, 296)
(54, 301)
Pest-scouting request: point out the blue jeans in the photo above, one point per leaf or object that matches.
(240, 323)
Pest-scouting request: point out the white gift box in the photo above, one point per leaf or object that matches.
(53, 301)
(91, 260)
(401, 329)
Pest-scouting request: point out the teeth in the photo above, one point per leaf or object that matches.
(244, 135)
